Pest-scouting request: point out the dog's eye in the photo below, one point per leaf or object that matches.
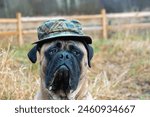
(76, 53)
(58, 44)
(52, 51)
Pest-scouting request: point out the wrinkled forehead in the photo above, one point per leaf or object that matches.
(65, 44)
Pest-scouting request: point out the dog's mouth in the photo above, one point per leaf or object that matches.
(61, 80)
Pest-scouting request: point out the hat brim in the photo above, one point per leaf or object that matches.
(81, 38)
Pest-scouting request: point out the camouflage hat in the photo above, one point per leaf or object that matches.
(61, 28)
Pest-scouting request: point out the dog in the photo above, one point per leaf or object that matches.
(64, 61)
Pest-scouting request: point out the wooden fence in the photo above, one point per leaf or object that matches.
(103, 18)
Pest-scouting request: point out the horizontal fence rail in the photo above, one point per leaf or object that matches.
(103, 25)
(128, 15)
(81, 17)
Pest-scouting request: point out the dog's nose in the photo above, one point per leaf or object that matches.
(64, 56)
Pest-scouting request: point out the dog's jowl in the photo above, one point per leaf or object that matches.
(65, 55)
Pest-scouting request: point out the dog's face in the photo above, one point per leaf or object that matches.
(62, 63)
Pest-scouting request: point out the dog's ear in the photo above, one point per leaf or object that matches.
(90, 54)
(32, 54)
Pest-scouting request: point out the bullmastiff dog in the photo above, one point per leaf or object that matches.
(64, 57)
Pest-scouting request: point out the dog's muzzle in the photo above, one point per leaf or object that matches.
(62, 75)
(61, 79)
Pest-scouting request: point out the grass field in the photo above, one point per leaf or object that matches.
(120, 70)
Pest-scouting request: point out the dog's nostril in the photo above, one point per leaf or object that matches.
(67, 56)
(61, 56)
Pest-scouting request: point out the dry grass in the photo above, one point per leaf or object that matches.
(120, 70)
(18, 79)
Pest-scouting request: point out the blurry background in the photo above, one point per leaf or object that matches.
(120, 30)
(8, 8)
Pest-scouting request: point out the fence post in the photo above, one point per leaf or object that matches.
(104, 24)
(19, 29)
